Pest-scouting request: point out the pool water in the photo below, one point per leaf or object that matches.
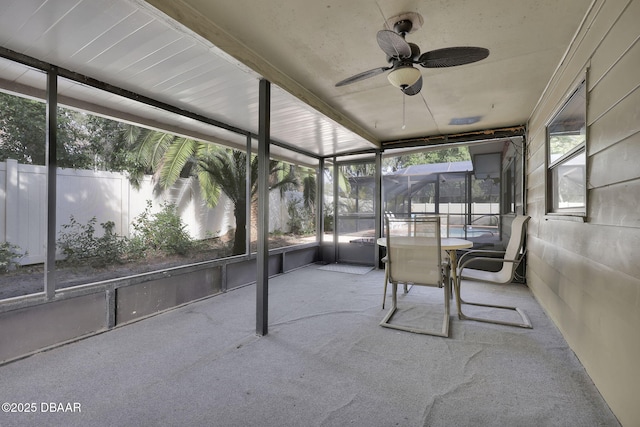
(471, 232)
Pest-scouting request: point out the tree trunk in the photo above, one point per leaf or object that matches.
(240, 236)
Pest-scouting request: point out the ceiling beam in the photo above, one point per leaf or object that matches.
(457, 138)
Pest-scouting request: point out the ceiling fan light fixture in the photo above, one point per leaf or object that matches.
(404, 77)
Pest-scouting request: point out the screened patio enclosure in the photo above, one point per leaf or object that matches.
(471, 196)
(57, 94)
(343, 225)
(197, 69)
(471, 205)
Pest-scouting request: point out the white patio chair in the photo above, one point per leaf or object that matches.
(510, 260)
(413, 231)
(415, 260)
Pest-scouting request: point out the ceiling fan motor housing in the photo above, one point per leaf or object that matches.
(403, 27)
(408, 22)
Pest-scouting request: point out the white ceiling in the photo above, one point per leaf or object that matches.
(207, 56)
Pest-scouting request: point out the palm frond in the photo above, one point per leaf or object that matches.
(210, 190)
(162, 141)
(150, 148)
(286, 180)
(343, 182)
(226, 168)
(130, 134)
(309, 191)
(175, 158)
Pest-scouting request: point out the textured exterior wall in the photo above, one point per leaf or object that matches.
(585, 273)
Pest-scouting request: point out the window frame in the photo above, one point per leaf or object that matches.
(508, 187)
(553, 165)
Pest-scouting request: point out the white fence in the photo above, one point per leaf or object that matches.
(109, 197)
(458, 210)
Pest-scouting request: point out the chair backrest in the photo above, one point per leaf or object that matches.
(514, 247)
(444, 225)
(444, 220)
(413, 250)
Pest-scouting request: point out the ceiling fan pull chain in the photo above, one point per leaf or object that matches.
(404, 125)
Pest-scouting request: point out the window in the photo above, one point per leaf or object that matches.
(509, 188)
(567, 160)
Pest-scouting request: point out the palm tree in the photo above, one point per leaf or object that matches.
(169, 157)
(217, 170)
(227, 168)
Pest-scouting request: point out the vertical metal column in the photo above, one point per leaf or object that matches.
(319, 201)
(469, 198)
(52, 165)
(336, 172)
(523, 175)
(437, 194)
(409, 189)
(247, 198)
(262, 282)
(377, 204)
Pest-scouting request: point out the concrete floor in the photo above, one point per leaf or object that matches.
(325, 362)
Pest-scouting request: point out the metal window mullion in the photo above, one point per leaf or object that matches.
(469, 197)
(320, 201)
(52, 165)
(574, 152)
(247, 205)
(436, 196)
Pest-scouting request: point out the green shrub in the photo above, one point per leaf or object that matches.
(162, 231)
(9, 256)
(301, 219)
(80, 245)
(135, 249)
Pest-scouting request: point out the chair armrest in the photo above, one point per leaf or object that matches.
(489, 259)
(479, 251)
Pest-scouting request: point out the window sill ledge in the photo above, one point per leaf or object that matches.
(573, 217)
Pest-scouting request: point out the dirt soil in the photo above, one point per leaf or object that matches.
(30, 279)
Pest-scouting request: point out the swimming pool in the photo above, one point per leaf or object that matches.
(471, 232)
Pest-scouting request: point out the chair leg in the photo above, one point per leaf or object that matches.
(394, 307)
(447, 310)
(449, 281)
(394, 302)
(386, 280)
(526, 323)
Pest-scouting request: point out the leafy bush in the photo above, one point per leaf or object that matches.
(80, 245)
(162, 231)
(9, 256)
(301, 220)
(328, 218)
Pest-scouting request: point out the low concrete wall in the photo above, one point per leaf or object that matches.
(143, 299)
(32, 323)
(33, 328)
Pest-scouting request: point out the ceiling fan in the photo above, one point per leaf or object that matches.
(401, 55)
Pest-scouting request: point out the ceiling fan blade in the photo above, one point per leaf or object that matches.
(414, 89)
(393, 44)
(362, 76)
(452, 56)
